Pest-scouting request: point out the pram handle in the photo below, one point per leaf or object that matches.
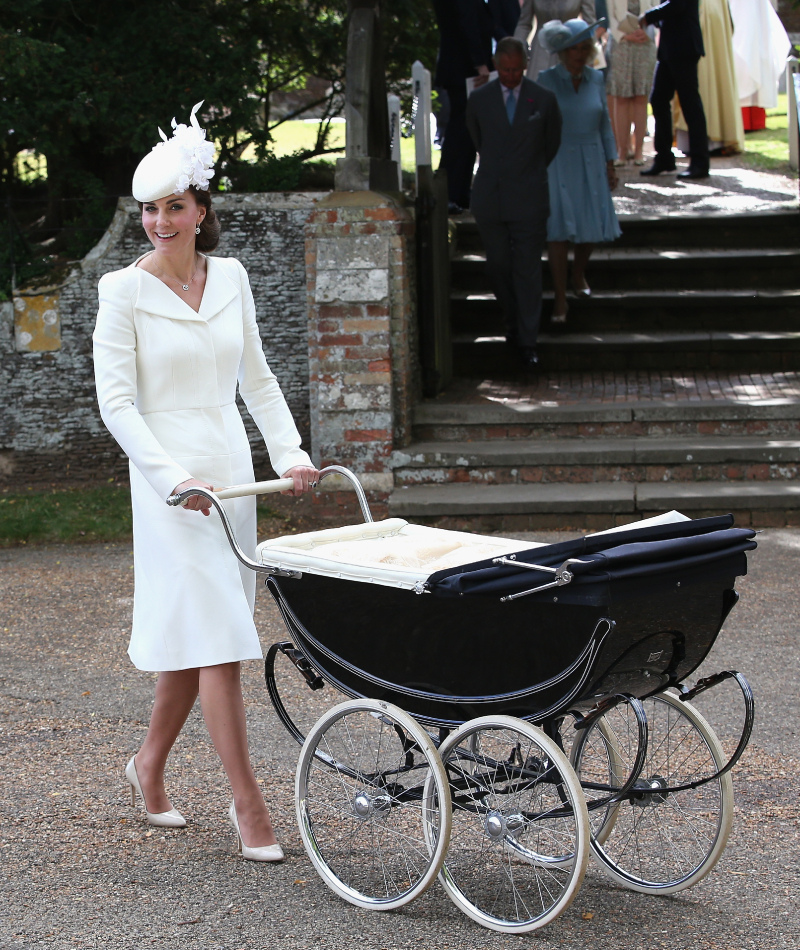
(258, 488)
(255, 488)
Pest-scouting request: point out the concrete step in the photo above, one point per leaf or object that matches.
(745, 351)
(519, 461)
(518, 507)
(435, 421)
(683, 231)
(630, 269)
(664, 310)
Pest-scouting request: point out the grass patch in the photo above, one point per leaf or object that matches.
(297, 135)
(99, 513)
(768, 148)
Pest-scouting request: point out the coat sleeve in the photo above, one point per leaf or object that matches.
(606, 132)
(552, 130)
(525, 22)
(262, 394)
(473, 126)
(669, 9)
(588, 12)
(115, 373)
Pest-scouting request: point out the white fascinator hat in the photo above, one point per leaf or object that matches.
(175, 163)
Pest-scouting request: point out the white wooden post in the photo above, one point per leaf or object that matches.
(393, 102)
(792, 96)
(421, 82)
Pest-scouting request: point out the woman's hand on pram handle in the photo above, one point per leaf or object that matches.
(303, 477)
(194, 502)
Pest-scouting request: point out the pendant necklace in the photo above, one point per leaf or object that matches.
(185, 287)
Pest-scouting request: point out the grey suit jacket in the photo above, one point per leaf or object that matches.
(511, 182)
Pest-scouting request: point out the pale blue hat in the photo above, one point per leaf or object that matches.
(555, 36)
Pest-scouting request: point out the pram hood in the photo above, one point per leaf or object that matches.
(600, 558)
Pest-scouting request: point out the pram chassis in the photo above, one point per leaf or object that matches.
(473, 807)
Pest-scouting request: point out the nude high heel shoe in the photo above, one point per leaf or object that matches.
(269, 852)
(163, 819)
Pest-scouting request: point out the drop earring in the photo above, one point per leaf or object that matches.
(197, 229)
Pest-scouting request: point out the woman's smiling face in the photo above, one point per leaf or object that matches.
(170, 222)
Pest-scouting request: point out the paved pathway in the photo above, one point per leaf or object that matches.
(80, 869)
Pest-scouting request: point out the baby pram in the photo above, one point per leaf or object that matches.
(514, 707)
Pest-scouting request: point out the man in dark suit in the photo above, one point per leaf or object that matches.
(680, 47)
(465, 50)
(516, 127)
(505, 16)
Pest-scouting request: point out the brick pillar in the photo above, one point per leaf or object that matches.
(362, 344)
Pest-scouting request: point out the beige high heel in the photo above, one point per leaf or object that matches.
(163, 819)
(269, 852)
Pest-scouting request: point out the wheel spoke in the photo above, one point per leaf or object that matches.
(659, 840)
(361, 802)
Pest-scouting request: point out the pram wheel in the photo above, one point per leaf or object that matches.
(519, 842)
(597, 761)
(368, 780)
(658, 840)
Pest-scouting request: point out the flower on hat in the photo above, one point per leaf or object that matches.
(554, 35)
(177, 163)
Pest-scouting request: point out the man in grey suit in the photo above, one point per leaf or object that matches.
(516, 126)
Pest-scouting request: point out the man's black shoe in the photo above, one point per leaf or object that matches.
(657, 168)
(693, 173)
(530, 359)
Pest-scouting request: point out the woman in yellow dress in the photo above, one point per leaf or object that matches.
(717, 81)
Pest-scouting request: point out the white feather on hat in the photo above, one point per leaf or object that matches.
(176, 163)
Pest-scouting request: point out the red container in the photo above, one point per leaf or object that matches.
(754, 118)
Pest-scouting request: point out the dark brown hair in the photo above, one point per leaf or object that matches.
(208, 238)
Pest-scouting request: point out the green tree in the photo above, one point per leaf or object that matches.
(85, 83)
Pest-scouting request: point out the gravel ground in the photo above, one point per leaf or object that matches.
(81, 869)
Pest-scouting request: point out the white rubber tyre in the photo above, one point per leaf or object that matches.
(368, 780)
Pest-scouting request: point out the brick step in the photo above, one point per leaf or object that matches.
(649, 311)
(469, 422)
(632, 269)
(772, 229)
(769, 351)
(594, 505)
(521, 461)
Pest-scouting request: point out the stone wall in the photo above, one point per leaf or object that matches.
(50, 428)
(361, 336)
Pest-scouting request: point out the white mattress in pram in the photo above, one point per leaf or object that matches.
(393, 552)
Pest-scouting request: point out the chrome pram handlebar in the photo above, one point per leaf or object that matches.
(263, 488)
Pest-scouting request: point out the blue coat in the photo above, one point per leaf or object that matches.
(581, 209)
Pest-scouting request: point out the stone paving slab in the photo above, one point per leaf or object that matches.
(600, 451)
(470, 499)
(748, 391)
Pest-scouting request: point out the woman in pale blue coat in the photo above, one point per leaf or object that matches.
(582, 175)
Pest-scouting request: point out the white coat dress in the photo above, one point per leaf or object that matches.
(166, 381)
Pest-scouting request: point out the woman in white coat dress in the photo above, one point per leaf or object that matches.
(176, 333)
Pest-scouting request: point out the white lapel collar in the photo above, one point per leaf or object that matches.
(155, 297)
(219, 291)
